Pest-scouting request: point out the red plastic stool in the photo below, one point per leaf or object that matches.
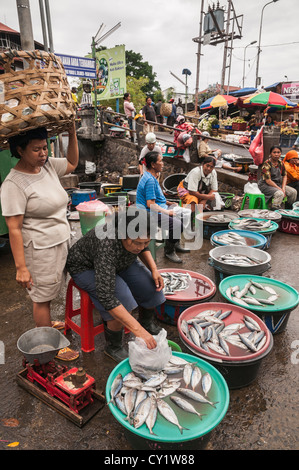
(87, 330)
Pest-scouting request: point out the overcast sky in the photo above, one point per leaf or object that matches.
(162, 32)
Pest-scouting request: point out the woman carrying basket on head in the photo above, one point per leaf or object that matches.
(34, 205)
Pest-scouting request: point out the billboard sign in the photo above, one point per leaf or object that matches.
(111, 73)
(81, 67)
(291, 91)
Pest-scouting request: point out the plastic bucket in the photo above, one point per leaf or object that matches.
(200, 289)
(114, 203)
(241, 367)
(174, 346)
(91, 213)
(253, 240)
(227, 199)
(274, 316)
(96, 185)
(81, 195)
(221, 273)
(290, 223)
(167, 435)
(111, 188)
(171, 183)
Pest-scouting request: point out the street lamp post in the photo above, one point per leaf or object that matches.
(250, 44)
(259, 45)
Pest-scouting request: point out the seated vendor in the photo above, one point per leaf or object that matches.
(150, 197)
(291, 163)
(104, 264)
(204, 150)
(200, 185)
(273, 181)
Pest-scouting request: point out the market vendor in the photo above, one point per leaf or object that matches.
(149, 196)
(273, 181)
(204, 150)
(291, 163)
(104, 264)
(200, 185)
(151, 146)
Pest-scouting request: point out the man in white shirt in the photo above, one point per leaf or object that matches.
(150, 146)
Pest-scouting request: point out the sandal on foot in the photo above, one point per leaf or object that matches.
(59, 325)
(67, 354)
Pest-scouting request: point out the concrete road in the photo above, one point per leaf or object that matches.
(261, 416)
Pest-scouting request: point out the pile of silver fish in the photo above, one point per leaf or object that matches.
(252, 224)
(245, 295)
(230, 238)
(208, 331)
(290, 213)
(238, 260)
(175, 282)
(222, 218)
(259, 213)
(141, 400)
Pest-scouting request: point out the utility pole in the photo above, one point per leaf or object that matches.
(26, 32)
(225, 48)
(198, 57)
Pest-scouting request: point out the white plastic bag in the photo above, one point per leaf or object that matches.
(218, 202)
(90, 167)
(251, 188)
(183, 213)
(146, 361)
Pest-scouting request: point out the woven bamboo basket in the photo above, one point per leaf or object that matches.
(166, 109)
(34, 92)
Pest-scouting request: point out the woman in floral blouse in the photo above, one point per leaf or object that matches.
(273, 181)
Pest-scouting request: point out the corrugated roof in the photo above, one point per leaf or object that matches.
(7, 29)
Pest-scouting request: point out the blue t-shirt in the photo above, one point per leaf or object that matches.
(149, 189)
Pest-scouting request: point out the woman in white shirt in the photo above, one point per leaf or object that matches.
(200, 185)
(34, 205)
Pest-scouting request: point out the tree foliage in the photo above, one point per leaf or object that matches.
(137, 68)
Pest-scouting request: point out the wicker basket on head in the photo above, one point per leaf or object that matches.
(166, 109)
(34, 92)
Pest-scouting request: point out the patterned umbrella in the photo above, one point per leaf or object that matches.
(218, 100)
(269, 98)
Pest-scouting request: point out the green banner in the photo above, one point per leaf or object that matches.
(111, 73)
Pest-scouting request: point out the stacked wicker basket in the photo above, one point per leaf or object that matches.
(34, 92)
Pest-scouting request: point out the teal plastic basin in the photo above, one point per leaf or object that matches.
(273, 227)
(165, 432)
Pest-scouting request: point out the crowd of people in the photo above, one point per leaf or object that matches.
(118, 273)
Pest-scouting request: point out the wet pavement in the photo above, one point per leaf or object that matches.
(261, 416)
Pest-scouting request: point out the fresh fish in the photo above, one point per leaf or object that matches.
(168, 413)
(120, 403)
(272, 298)
(184, 327)
(223, 345)
(165, 391)
(231, 328)
(141, 412)
(130, 376)
(152, 416)
(270, 290)
(206, 383)
(172, 370)
(215, 347)
(195, 396)
(257, 285)
(253, 322)
(240, 301)
(155, 380)
(187, 373)
(265, 301)
(176, 360)
(247, 343)
(134, 383)
(141, 395)
(251, 300)
(185, 405)
(225, 314)
(129, 401)
(207, 334)
(198, 329)
(194, 336)
(115, 387)
(195, 377)
(235, 341)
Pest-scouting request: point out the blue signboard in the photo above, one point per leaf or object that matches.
(81, 67)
